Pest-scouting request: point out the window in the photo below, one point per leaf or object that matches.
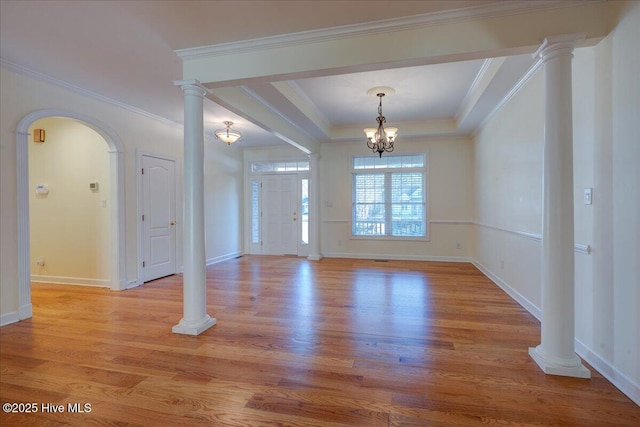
(304, 211)
(389, 196)
(293, 166)
(255, 211)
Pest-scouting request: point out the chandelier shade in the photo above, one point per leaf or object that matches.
(227, 134)
(380, 139)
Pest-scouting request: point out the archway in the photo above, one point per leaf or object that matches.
(116, 212)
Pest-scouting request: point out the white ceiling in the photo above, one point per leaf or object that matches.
(124, 50)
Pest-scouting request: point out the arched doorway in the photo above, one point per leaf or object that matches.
(116, 268)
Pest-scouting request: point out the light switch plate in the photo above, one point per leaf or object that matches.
(588, 196)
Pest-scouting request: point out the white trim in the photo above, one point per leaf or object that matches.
(222, 258)
(474, 85)
(9, 318)
(335, 220)
(583, 249)
(64, 280)
(24, 71)
(26, 311)
(514, 90)
(451, 221)
(504, 8)
(525, 234)
(132, 284)
(117, 251)
(579, 247)
(405, 257)
(623, 382)
(517, 296)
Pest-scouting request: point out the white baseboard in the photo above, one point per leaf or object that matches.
(25, 311)
(625, 384)
(8, 318)
(223, 258)
(396, 257)
(517, 296)
(132, 284)
(62, 280)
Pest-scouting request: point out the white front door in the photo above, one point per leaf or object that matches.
(158, 219)
(280, 215)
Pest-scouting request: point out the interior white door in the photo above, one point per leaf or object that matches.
(158, 220)
(280, 215)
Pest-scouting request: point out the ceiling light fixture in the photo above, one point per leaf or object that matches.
(228, 135)
(380, 140)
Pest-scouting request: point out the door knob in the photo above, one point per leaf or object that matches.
(172, 223)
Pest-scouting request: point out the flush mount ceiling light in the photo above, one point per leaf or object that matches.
(228, 135)
(380, 140)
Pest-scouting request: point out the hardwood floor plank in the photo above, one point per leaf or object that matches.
(334, 343)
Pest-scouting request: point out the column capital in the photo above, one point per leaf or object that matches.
(192, 86)
(560, 44)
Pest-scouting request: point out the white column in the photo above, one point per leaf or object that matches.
(314, 209)
(195, 319)
(556, 353)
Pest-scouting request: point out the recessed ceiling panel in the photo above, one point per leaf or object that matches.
(431, 91)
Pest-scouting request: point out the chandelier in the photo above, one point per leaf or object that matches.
(228, 135)
(380, 140)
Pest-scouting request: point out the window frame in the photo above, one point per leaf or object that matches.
(388, 173)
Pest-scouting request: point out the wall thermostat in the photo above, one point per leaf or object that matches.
(42, 189)
(93, 186)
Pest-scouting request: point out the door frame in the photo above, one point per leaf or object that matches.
(140, 208)
(257, 248)
(117, 252)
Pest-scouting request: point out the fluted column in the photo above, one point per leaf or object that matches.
(314, 209)
(556, 352)
(195, 319)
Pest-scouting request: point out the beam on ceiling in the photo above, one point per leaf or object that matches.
(406, 44)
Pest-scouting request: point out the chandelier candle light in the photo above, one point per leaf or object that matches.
(380, 140)
(228, 135)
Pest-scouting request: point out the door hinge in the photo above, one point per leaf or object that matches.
(144, 264)
(143, 217)
(142, 171)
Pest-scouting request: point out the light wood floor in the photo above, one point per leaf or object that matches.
(298, 343)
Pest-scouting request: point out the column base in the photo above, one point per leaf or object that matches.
(554, 366)
(314, 257)
(194, 328)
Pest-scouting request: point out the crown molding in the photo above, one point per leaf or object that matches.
(27, 72)
(514, 90)
(492, 10)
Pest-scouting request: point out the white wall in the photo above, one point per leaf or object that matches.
(449, 202)
(70, 226)
(223, 201)
(625, 350)
(21, 94)
(508, 185)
